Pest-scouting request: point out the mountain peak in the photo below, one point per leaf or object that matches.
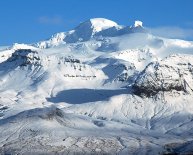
(90, 29)
(99, 24)
(138, 23)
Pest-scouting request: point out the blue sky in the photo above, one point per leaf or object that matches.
(27, 21)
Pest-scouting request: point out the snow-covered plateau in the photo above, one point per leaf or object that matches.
(101, 88)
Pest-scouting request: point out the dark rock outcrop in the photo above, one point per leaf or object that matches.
(172, 73)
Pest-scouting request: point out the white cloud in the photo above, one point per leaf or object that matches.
(55, 20)
(172, 32)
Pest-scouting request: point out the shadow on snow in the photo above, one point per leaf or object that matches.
(79, 96)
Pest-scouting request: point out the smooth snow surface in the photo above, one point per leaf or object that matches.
(100, 88)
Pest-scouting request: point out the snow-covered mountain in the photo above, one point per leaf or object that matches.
(96, 28)
(101, 88)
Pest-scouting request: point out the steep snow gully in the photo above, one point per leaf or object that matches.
(101, 88)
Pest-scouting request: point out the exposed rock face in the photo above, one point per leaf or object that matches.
(20, 58)
(172, 73)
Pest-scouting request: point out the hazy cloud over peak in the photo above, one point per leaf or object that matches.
(172, 32)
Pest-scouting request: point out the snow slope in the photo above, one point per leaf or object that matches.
(100, 88)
